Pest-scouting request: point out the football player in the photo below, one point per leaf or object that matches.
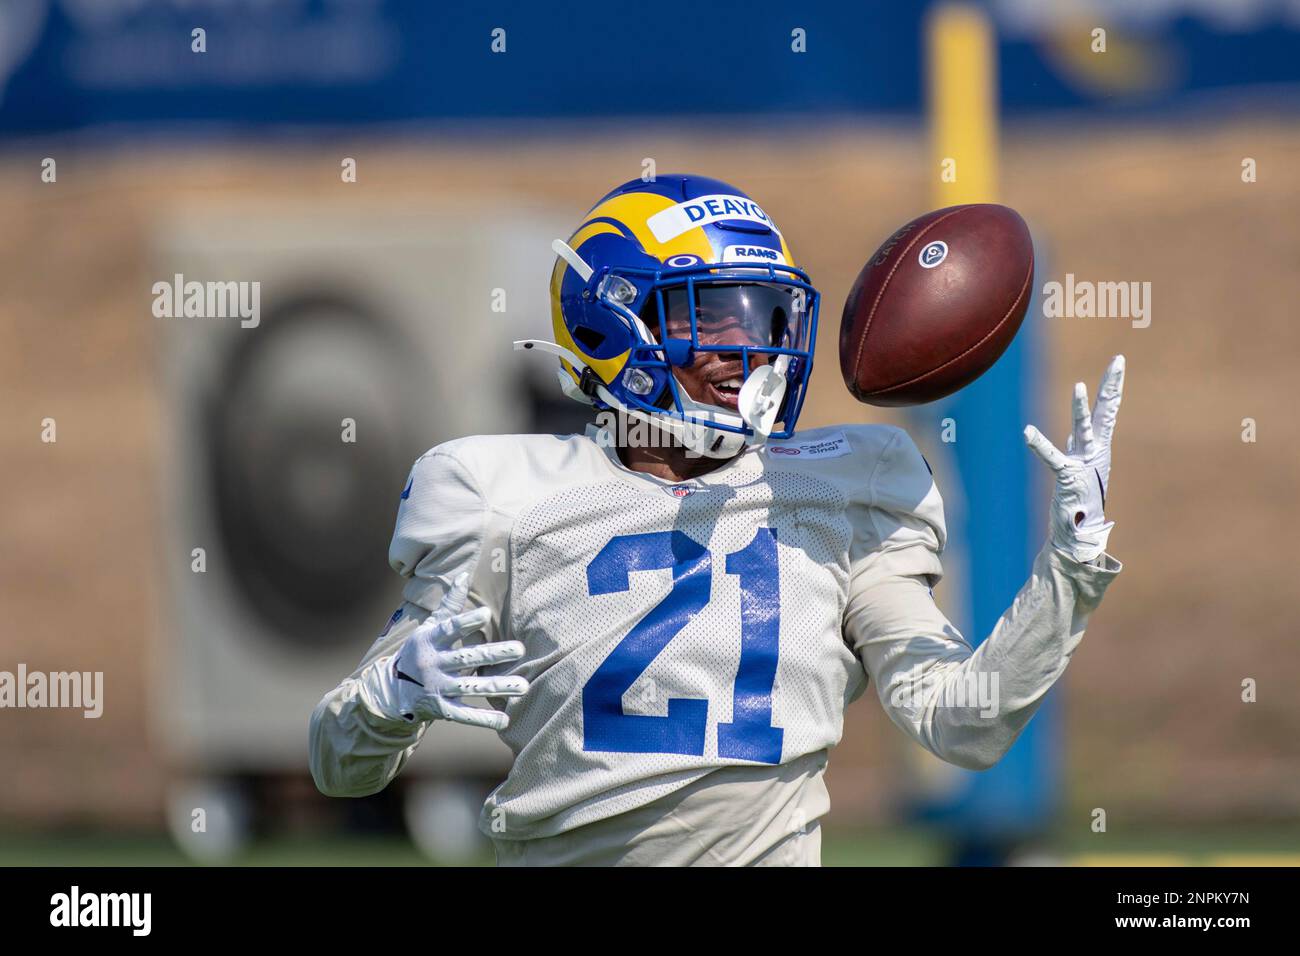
(668, 615)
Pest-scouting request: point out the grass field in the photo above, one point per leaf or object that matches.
(896, 847)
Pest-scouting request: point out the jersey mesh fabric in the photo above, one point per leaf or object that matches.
(558, 781)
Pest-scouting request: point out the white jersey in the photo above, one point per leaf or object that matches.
(677, 630)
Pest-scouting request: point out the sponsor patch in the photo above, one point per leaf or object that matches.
(832, 446)
(668, 224)
(760, 254)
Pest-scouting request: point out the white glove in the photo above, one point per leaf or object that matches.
(430, 674)
(1079, 525)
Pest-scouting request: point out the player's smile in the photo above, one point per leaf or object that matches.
(716, 378)
(723, 383)
(726, 394)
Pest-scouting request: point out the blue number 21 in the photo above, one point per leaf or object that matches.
(750, 734)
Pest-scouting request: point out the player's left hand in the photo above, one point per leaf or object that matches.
(1079, 525)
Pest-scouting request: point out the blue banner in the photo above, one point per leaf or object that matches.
(74, 64)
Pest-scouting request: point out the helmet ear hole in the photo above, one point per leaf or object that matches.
(588, 338)
(649, 314)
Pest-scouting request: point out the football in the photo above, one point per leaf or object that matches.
(937, 304)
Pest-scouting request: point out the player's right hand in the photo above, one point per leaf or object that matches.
(431, 675)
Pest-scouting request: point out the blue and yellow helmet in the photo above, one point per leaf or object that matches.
(660, 271)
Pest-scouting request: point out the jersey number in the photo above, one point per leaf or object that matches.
(750, 734)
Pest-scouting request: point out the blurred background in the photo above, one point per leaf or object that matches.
(182, 510)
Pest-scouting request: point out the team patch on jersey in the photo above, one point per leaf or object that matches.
(753, 254)
(832, 446)
(670, 223)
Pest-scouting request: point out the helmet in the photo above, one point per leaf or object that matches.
(658, 272)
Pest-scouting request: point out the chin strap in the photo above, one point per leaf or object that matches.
(760, 396)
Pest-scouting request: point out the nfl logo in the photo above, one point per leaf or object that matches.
(681, 491)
